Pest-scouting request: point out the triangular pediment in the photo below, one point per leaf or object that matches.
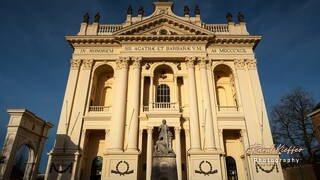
(163, 29)
(163, 25)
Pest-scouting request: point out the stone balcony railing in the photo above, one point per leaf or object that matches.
(108, 29)
(105, 109)
(218, 29)
(162, 106)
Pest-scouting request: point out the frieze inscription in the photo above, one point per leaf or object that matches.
(229, 51)
(95, 51)
(163, 48)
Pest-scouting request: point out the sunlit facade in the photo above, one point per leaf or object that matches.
(126, 78)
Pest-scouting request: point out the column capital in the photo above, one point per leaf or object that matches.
(136, 58)
(149, 130)
(124, 58)
(87, 64)
(202, 58)
(251, 64)
(122, 63)
(75, 64)
(239, 64)
(190, 61)
(136, 62)
(202, 62)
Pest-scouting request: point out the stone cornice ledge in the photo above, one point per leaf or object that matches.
(237, 39)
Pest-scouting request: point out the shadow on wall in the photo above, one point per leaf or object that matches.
(62, 159)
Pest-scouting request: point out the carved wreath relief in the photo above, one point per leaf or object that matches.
(203, 166)
(123, 170)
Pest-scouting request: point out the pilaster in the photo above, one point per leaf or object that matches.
(134, 124)
(208, 118)
(119, 105)
(194, 119)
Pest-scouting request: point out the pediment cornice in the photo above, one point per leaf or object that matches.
(157, 20)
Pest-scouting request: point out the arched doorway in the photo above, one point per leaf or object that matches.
(231, 168)
(96, 168)
(21, 160)
(23, 145)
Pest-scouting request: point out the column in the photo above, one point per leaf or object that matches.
(119, 105)
(222, 156)
(178, 152)
(209, 132)
(248, 102)
(176, 89)
(194, 121)
(151, 93)
(141, 94)
(134, 124)
(149, 153)
(65, 114)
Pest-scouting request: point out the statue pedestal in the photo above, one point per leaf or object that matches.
(164, 167)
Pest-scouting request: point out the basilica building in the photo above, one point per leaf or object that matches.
(163, 96)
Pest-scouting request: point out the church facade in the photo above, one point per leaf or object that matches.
(163, 84)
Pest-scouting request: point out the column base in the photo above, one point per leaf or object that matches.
(205, 166)
(121, 166)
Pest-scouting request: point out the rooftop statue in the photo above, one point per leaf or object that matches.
(240, 17)
(186, 10)
(229, 17)
(86, 18)
(164, 143)
(97, 18)
(197, 10)
(129, 11)
(141, 11)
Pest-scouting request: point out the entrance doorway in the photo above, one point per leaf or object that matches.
(234, 155)
(231, 168)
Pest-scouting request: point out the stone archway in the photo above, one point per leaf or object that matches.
(24, 129)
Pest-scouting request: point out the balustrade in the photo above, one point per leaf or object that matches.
(99, 108)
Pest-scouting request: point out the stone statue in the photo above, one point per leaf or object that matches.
(86, 18)
(97, 18)
(164, 143)
(186, 10)
(229, 17)
(240, 17)
(197, 10)
(141, 11)
(129, 11)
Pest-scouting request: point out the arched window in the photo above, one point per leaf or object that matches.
(96, 168)
(163, 93)
(225, 89)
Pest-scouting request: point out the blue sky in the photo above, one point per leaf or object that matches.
(35, 56)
